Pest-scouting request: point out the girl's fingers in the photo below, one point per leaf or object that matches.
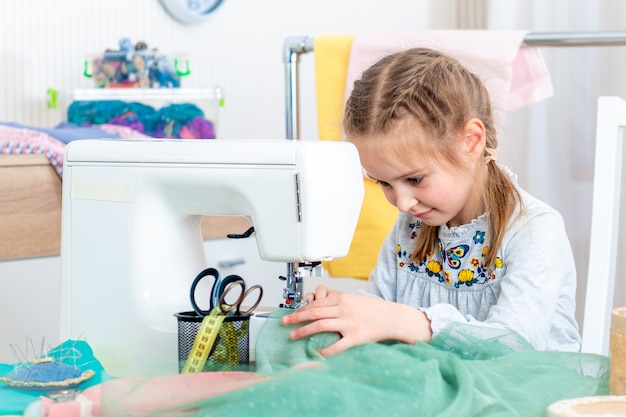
(337, 347)
(314, 309)
(321, 291)
(307, 299)
(318, 326)
(309, 314)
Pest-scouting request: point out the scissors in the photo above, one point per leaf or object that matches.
(221, 287)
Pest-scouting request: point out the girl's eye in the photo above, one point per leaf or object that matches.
(382, 183)
(415, 181)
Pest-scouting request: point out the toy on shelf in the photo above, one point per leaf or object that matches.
(135, 66)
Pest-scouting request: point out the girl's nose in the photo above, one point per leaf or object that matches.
(405, 201)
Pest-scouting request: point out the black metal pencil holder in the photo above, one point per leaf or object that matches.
(231, 350)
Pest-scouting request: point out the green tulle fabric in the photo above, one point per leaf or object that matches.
(465, 371)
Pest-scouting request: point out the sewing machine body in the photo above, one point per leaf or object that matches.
(131, 240)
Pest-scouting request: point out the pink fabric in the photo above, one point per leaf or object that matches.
(514, 74)
(51, 408)
(124, 131)
(15, 140)
(165, 396)
(531, 79)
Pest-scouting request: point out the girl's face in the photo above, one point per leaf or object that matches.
(436, 192)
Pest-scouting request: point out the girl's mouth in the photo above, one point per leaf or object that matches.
(423, 214)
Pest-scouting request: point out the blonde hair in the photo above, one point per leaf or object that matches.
(435, 95)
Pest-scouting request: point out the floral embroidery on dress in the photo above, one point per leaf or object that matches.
(454, 265)
(479, 237)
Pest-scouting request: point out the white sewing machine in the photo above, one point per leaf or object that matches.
(131, 238)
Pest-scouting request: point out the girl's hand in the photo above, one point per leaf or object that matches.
(358, 319)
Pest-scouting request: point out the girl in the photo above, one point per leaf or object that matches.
(469, 245)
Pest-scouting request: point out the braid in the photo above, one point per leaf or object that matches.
(437, 95)
(501, 198)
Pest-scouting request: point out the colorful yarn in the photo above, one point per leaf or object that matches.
(180, 120)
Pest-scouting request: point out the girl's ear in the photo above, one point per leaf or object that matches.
(475, 138)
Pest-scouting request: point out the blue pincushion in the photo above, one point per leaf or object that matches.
(46, 374)
(45, 371)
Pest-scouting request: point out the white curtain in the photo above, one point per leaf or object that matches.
(551, 144)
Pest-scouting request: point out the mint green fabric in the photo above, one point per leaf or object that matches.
(465, 371)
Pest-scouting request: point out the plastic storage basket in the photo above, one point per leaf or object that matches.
(161, 113)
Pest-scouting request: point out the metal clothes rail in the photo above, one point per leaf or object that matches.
(294, 46)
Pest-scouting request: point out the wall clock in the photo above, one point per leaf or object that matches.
(191, 11)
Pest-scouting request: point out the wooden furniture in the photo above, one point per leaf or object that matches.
(30, 210)
(30, 207)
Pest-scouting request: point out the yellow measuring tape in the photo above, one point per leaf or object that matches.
(205, 339)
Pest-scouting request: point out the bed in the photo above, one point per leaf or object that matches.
(31, 172)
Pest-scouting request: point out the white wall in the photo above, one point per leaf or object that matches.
(551, 145)
(43, 44)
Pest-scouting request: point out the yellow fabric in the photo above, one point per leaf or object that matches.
(376, 218)
(332, 55)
